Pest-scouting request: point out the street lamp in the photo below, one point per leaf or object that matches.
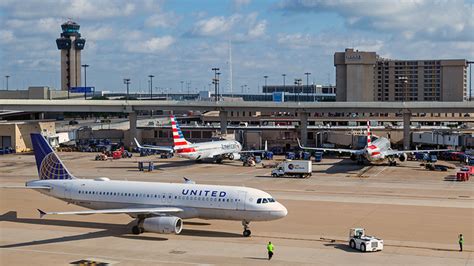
(215, 81)
(6, 77)
(151, 86)
(404, 81)
(127, 82)
(265, 77)
(85, 66)
(307, 83)
(283, 75)
(298, 83)
(218, 86)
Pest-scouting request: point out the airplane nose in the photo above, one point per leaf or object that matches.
(280, 211)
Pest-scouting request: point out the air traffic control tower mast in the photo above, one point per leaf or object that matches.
(70, 43)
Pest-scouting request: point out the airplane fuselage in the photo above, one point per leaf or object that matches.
(375, 152)
(196, 200)
(209, 150)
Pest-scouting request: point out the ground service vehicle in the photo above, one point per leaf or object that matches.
(297, 168)
(358, 240)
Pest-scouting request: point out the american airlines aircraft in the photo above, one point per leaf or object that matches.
(157, 207)
(376, 151)
(215, 150)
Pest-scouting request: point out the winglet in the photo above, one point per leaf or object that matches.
(138, 144)
(42, 213)
(188, 181)
(299, 143)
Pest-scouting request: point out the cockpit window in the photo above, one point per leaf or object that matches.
(271, 200)
(259, 201)
(264, 201)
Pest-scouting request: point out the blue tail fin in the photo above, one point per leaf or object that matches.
(48, 163)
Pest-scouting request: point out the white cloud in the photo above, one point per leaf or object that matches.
(162, 20)
(214, 25)
(258, 30)
(421, 19)
(6, 36)
(153, 45)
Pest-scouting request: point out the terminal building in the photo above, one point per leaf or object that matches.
(365, 76)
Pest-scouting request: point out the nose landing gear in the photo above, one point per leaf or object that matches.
(247, 231)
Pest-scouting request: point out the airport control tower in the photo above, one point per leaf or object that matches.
(70, 43)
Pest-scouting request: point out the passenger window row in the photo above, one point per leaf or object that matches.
(156, 196)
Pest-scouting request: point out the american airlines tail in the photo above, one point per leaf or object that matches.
(369, 139)
(178, 138)
(47, 161)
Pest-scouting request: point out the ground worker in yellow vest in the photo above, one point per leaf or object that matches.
(461, 241)
(270, 249)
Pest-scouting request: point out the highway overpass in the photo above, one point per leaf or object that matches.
(302, 108)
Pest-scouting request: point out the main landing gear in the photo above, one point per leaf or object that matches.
(247, 231)
(138, 229)
(392, 162)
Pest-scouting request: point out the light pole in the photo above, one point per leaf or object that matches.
(215, 81)
(265, 77)
(307, 83)
(283, 75)
(404, 81)
(6, 77)
(151, 86)
(298, 83)
(127, 82)
(85, 66)
(218, 86)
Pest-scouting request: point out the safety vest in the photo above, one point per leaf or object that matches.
(270, 247)
(461, 239)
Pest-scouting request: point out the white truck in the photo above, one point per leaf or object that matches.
(358, 240)
(297, 168)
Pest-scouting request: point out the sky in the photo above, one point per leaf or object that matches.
(183, 40)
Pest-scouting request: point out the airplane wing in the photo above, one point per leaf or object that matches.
(152, 147)
(396, 152)
(27, 187)
(330, 149)
(158, 210)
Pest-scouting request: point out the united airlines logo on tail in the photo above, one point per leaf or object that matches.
(52, 168)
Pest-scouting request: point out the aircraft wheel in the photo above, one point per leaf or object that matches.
(246, 233)
(137, 230)
(352, 244)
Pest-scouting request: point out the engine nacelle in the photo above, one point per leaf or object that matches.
(163, 225)
(402, 157)
(234, 156)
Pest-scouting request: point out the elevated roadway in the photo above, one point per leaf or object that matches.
(302, 108)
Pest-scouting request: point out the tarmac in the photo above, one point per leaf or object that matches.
(418, 213)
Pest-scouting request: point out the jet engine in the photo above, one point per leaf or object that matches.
(402, 157)
(353, 157)
(163, 225)
(234, 156)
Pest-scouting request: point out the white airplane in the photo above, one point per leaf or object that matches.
(157, 207)
(215, 150)
(376, 151)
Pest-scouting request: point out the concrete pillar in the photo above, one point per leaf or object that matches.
(41, 116)
(406, 130)
(223, 119)
(304, 128)
(132, 118)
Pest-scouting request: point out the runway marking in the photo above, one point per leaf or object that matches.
(103, 257)
(385, 167)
